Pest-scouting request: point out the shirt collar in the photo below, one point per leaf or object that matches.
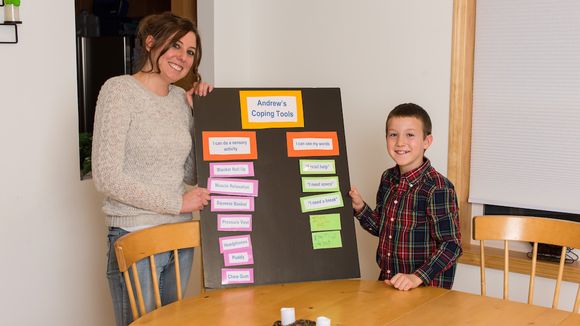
(413, 176)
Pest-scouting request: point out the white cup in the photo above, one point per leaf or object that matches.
(287, 316)
(322, 321)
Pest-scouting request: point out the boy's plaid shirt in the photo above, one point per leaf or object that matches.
(416, 219)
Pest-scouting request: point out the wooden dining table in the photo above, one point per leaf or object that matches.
(350, 302)
(573, 320)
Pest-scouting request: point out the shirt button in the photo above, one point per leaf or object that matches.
(388, 271)
(410, 185)
(392, 219)
(388, 254)
(390, 237)
(396, 202)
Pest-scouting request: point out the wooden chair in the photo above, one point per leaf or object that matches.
(146, 243)
(529, 229)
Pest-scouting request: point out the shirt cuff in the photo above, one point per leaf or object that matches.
(423, 276)
(360, 215)
(175, 208)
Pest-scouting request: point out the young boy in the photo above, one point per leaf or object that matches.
(416, 216)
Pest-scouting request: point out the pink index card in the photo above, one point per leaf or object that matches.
(235, 242)
(237, 275)
(230, 186)
(234, 222)
(239, 257)
(232, 203)
(231, 169)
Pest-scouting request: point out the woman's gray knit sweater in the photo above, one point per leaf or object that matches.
(142, 153)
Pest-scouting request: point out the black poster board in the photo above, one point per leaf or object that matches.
(281, 236)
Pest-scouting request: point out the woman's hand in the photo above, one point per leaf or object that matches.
(357, 201)
(198, 88)
(195, 200)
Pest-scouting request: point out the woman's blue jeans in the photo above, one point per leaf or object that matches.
(165, 274)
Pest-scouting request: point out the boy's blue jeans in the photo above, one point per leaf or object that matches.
(165, 274)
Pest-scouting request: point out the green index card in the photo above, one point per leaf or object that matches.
(324, 222)
(321, 202)
(317, 167)
(320, 184)
(326, 239)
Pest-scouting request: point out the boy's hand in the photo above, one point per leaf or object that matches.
(404, 282)
(357, 201)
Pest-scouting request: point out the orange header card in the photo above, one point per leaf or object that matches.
(271, 109)
(229, 145)
(312, 143)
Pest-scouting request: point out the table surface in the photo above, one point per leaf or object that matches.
(460, 308)
(350, 302)
(572, 320)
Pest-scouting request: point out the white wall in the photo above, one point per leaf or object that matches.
(380, 54)
(52, 235)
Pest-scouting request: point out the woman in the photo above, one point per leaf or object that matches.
(143, 154)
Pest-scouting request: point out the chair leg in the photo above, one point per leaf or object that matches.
(177, 274)
(577, 302)
(202, 285)
(506, 270)
(156, 293)
(482, 267)
(139, 291)
(129, 287)
(559, 280)
(533, 274)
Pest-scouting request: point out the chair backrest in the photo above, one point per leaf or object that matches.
(529, 229)
(146, 243)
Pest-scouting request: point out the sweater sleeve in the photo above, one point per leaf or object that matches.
(112, 122)
(189, 168)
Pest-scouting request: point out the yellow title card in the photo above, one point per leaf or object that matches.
(271, 109)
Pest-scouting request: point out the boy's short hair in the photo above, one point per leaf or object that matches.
(411, 110)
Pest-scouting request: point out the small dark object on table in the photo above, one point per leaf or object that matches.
(299, 322)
